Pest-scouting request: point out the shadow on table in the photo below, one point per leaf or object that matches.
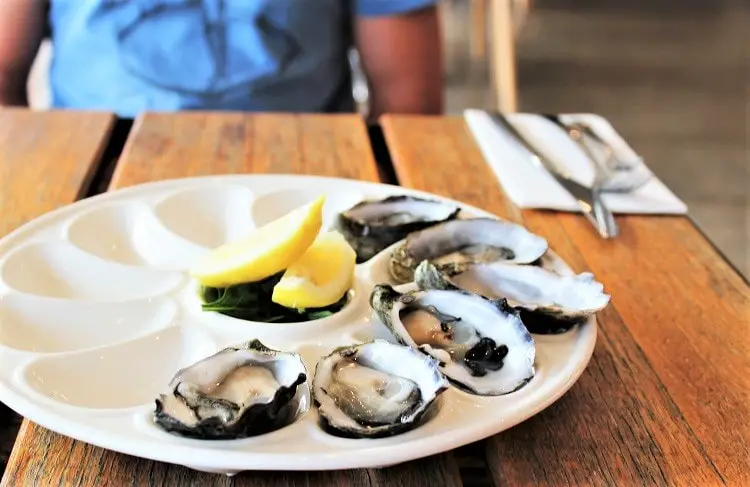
(9, 424)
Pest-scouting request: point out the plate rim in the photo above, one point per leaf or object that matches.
(232, 461)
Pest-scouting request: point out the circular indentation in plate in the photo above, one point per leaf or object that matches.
(272, 206)
(372, 329)
(463, 418)
(107, 232)
(163, 249)
(352, 313)
(312, 353)
(62, 270)
(119, 376)
(45, 325)
(209, 216)
(130, 233)
(377, 269)
(369, 333)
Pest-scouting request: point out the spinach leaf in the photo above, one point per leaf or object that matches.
(252, 302)
(316, 315)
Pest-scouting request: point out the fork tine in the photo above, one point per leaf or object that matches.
(628, 184)
(613, 174)
(618, 163)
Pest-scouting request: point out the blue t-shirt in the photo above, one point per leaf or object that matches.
(130, 56)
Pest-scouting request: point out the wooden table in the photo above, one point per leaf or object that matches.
(664, 400)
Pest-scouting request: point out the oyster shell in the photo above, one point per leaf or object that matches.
(462, 241)
(237, 392)
(372, 225)
(375, 389)
(482, 345)
(548, 302)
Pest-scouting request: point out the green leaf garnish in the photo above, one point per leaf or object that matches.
(252, 302)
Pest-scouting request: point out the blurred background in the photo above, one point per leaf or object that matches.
(671, 76)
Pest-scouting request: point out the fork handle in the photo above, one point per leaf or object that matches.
(605, 220)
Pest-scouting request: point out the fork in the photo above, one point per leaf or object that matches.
(588, 198)
(622, 176)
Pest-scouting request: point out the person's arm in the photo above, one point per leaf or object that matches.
(402, 56)
(21, 32)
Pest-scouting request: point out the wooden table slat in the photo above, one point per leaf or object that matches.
(47, 160)
(664, 400)
(50, 459)
(166, 146)
(193, 144)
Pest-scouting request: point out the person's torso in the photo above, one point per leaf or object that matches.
(134, 55)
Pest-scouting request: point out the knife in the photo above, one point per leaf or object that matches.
(590, 202)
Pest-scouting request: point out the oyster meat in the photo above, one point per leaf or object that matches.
(462, 241)
(372, 225)
(548, 302)
(375, 389)
(237, 392)
(481, 344)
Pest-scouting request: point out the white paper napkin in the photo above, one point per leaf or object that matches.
(531, 187)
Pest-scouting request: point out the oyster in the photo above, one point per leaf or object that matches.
(482, 345)
(469, 240)
(372, 225)
(375, 389)
(237, 392)
(548, 302)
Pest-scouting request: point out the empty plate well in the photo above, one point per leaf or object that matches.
(62, 270)
(120, 376)
(45, 325)
(210, 216)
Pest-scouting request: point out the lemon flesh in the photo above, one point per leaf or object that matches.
(321, 277)
(269, 250)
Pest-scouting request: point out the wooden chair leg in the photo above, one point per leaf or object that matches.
(503, 61)
(520, 10)
(478, 9)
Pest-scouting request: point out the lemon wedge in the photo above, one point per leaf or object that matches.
(268, 250)
(320, 277)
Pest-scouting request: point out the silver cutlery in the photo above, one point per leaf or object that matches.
(625, 176)
(589, 199)
(621, 176)
(616, 163)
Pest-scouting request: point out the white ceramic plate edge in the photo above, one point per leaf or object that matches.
(231, 461)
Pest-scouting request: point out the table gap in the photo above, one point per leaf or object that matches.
(472, 465)
(383, 160)
(107, 162)
(10, 424)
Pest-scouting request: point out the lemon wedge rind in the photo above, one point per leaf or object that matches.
(320, 277)
(268, 250)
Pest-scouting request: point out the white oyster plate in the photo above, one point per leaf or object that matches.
(97, 313)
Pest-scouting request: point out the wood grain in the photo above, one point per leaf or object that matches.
(167, 146)
(196, 144)
(51, 459)
(664, 400)
(47, 160)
